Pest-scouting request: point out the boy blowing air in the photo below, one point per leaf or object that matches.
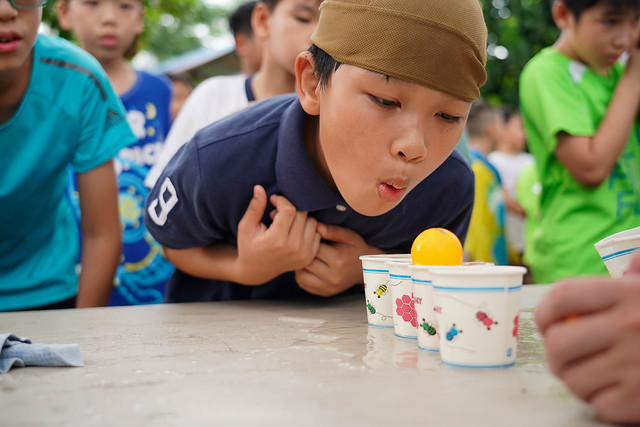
(580, 107)
(56, 108)
(359, 161)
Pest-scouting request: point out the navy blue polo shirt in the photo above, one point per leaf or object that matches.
(205, 190)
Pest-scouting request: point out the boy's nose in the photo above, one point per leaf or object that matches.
(108, 11)
(411, 146)
(7, 11)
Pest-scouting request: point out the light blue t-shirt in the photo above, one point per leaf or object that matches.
(69, 114)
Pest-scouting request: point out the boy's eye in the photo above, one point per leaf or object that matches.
(303, 19)
(385, 102)
(126, 5)
(449, 118)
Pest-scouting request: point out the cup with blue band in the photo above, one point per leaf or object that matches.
(477, 310)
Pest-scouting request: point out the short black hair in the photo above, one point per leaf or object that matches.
(240, 19)
(271, 4)
(578, 6)
(325, 65)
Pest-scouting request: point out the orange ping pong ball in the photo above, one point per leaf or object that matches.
(436, 246)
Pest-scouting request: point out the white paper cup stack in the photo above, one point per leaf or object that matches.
(375, 272)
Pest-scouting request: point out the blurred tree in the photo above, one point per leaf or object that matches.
(518, 29)
(171, 27)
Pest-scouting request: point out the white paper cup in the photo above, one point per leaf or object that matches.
(617, 250)
(375, 273)
(477, 309)
(427, 322)
(405, 322)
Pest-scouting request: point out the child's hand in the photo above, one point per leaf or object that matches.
(633, 64)
(291, 242)
(597, 355)
(337, 265)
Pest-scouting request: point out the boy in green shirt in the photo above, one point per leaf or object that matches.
(580, 105)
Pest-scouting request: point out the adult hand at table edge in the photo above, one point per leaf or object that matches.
(597, 355)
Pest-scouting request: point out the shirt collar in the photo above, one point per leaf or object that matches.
(297, 178)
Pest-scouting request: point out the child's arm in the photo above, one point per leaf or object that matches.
(101, 235)
(337, 266)
(289, 243)
(591, 159)
(597, 355)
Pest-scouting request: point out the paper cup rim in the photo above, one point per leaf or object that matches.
(475, 270)
(623, 235)
(384, 257)
(603, 244)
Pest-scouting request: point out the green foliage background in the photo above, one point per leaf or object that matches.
(522, 27)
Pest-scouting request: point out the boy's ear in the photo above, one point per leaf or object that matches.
(307, 84)
(260, 20)
(561, 14)
(63, 15)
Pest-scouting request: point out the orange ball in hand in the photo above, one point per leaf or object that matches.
(436, 246)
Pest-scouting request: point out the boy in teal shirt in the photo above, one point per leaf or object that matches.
(579, 105)
(56, 108)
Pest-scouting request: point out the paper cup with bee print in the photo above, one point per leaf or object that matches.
(405, 319)
(426, 316)
(375, 273)
(477, 310)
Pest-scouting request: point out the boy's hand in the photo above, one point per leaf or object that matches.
(597, 355)
(337, 266)
(633, 63)
(291, 241)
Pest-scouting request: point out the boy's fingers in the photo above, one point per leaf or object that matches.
(574, 297)
(335, 233)
(255, 211)
(285, 214)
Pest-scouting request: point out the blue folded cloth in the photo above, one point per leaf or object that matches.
(18, 351)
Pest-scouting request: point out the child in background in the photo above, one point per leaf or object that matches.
(285, 28)
(486, 241)
(248, 46)
(109, 30)
(509, 158)
(181, 88)
(56, 108)
(580, 108)
(359, 161)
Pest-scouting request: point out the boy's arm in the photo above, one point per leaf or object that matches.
(289, 243)
(101, 235)
(591, 159)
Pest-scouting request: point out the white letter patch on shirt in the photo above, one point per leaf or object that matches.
(165, 204)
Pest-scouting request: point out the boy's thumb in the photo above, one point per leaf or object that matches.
(256, 208)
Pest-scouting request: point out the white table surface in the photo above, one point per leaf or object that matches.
(269, 363)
